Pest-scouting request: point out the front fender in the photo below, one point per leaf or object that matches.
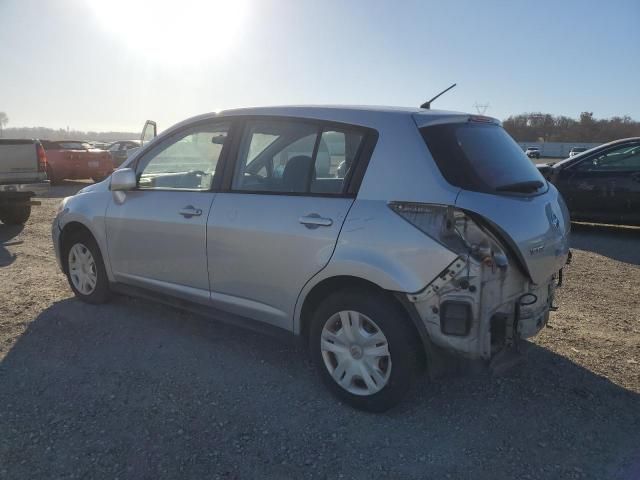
(88, 209)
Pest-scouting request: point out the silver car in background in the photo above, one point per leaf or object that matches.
(385, 238)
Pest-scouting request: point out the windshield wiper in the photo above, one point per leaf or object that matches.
(523, 187)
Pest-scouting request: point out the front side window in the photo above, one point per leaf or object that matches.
(620, 159)
(187, 163)
(294, 157)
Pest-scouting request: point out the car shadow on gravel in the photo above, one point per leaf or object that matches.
(137, 390)
(617, 242)
(8, 234)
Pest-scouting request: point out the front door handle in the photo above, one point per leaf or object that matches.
(313, 220)
(190, 211)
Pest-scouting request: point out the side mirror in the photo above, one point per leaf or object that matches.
(123, 180)
(149, 132)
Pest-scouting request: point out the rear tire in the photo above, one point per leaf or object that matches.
(369, 365)
(85, 269)
(15, 214)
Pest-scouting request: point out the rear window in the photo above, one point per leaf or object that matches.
(480, 157)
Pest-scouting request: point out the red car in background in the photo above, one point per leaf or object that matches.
(68, 159)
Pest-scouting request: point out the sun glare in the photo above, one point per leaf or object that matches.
(174, 32)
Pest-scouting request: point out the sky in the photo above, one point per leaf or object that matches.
(111, 64)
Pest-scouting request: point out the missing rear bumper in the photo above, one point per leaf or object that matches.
(495, 308)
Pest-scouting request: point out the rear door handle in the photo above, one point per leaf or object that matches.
(313, 220)
(190, 211)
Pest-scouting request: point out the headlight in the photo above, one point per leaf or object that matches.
(455, 230)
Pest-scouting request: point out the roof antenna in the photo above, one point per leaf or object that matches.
(427, 104)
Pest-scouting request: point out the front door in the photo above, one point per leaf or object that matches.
(277, 224)
(156, 234)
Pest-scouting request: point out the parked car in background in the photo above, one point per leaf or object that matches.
(415, 245)
(100, 145)
(576, 150)
(601, 184)
(118, 150)
(23, 165)
(532, 152)
(68, 159)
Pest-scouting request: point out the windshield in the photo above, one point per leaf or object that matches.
(481, 158)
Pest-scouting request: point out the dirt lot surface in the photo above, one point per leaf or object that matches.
(141, 391)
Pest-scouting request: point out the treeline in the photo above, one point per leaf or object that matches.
(43, 133)
(526, 127)
(544, 127)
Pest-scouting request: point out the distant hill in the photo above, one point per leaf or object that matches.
(43, 133)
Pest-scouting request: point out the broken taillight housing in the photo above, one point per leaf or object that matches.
(454, 229)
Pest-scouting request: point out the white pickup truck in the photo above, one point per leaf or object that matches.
(23, 167)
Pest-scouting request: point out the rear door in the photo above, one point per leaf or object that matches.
(156, 234)
(18, 161)
(277, 222)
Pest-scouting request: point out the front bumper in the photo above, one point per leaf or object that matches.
(33, 188)
(503, 306)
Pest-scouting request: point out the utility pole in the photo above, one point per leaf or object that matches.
(481, 108)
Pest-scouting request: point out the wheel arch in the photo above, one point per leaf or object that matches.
(68, 230)
(333, 284)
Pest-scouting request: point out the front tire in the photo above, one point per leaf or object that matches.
(85, 269)
(15, 214)
(363, 348)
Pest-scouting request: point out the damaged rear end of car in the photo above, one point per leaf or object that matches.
(509, 230)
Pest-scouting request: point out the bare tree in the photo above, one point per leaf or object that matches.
(4, 119)
(532, 127)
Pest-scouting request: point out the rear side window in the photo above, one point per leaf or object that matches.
(288, 156)
(481, 158)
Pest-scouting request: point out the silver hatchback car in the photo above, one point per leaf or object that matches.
(385, 238)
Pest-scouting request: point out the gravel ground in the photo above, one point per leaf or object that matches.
(141, 391)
